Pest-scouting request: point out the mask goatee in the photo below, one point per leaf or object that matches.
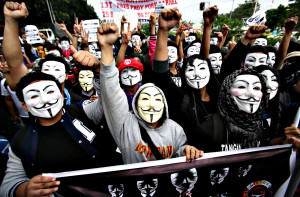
(151, 117)
(49, 111)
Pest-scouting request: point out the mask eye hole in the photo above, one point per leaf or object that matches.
(33, 97)
(256, 88)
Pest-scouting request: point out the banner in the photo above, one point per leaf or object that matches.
(248, 172)
(143, 8)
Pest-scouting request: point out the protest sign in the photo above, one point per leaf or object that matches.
(32, 35)
(257, 19)
(91, 26)
(244, 173)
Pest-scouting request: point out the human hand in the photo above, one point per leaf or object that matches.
(210, 15)
(255, 31)
(16, 118)
(192, 153)
(153, 19)
(231, 44)
(62, 26)
(123, 20)
(219, 36)
(3, 65)
(296, 144)
(126, 36)
(85, 58)
(42, 36)
(168, 18)
(137, 49)
(225, 30)
(290, 24)
(291, 131)
(84, 36)
(183, 27)
(107, 34)
(41, 186)
(77, 27)
(183, 35)
(93, 97)
(15, 11)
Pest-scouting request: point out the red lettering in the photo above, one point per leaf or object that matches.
(169, 153)
(163, 152)
(149, 153)
(110, 4)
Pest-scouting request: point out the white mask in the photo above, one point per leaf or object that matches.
(271, 59)
(92, 49)
(43, 99)
(261, 42)
(255, 59)
(218, 176)
(56, 69)
(172, 54)
(192, 50)
(198, 45)
(246, 92)
(147, 186)
(184, 181)
(85, 79)
(190, 39)
(130, 76)
(65, 45)
(216, 62)
(214, 40)
(198, 74)
(150, 105)
(135, 40)
(271, 83)
(55, 52)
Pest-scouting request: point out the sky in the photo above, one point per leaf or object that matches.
(190, 8)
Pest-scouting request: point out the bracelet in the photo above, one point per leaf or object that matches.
(76, 36)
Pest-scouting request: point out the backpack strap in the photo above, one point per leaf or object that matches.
(19, 140)
(147, 138)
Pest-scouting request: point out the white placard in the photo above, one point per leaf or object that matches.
(257, 19)
(91, 26)
(32, 34)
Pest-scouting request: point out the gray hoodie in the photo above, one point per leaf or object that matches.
(169, 138)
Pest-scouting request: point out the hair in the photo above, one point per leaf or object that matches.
(30, 55)
(52, 57)
(192, 34)
(64, 38)
(132, 55)
(54, 47)
(256, 48)
(32, 77)
(214, 49)
(191, 44)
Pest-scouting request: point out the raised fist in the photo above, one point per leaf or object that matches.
(108, 34)
(290, 24)
(15, 10)
(210, 15)
(169, 18)
(255, 31)
(153, 19)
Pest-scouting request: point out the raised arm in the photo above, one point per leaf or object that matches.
(168, 18)
(289, 26)
(225, 30)
(114, 100)
(152, 41)
(64, 28)
(209, 16)
(126, 37)
(76, 28)
(13, 12)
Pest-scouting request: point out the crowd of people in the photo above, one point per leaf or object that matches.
(131, 98)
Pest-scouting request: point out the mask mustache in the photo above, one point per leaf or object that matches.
(198, 78)
(151, 110)
(50, 104)
(251, 99)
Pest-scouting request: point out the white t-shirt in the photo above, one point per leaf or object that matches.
(8, 92)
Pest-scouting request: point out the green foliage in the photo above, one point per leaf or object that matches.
(145, 29)
(245, 10)
(273, 40)
(233, 24)
(276, 17)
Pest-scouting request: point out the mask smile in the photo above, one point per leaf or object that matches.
(46, 105)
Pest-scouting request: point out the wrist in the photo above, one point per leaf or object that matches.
(208, 25)
(245, 40)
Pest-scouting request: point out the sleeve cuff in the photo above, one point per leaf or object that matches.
(12, 191)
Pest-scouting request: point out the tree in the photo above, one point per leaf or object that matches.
(245, 10)
(276, 17)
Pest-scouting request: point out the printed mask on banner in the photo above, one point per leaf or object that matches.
(218, 176)
(150, 105)
(130, 76)
(65, 45)
(271, 83)
(214, 40)
(197, 75)
(255, 59)
(257, 19)
(85, 79)
(271, 59)
(116, 190)
(135, 40)
(261, 42)
(216, 62)
(172, 54)
(184, 180)
(246, 92)
(192, 50)
(190, 39)
(43, 99)
(243, 170)
(56, 69)
(147, 186)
